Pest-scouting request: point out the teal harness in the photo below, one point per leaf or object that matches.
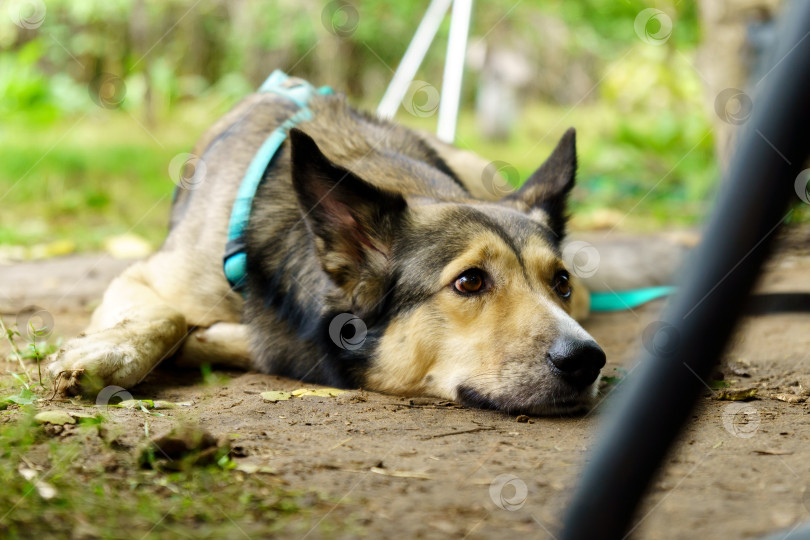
(300, 92)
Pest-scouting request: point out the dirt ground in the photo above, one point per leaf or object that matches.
(386, 466)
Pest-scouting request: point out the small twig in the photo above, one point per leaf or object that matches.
(14, 348)
(56, 385)
(400, 474)
(341, 443)
(37, 355)
(28, 463)
(474, 430)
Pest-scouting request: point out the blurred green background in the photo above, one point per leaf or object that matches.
(73, 173)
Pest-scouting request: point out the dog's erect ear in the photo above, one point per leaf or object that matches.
(548, 187)
(353, 221)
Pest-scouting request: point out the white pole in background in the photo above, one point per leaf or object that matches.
(453, 70)
(414, 55)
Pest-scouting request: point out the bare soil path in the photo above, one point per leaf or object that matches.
(386, 466)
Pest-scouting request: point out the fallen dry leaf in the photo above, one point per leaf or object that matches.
(789, 398)
(161, 404)
(274, 396)
(252, 468)
(772, 452)
(321, 392)
(57, 418)
(151, 404)
(736, 395)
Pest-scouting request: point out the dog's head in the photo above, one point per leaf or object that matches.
(462, 299)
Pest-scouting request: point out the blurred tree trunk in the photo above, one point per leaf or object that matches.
(337, 60)
(139, 36)
(355, 64)
(725, 61)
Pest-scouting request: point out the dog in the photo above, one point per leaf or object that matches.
(373, 258)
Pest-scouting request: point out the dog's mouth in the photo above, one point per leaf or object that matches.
(572, 404)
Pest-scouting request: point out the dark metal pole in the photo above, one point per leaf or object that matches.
(656, 401)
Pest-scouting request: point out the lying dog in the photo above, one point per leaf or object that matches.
(368, 262)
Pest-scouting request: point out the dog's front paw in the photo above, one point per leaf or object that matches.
(69, 382)
(88, 363)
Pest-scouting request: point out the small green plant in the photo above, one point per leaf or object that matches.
(25, 396)
(32, 351)
(211, 378)
(11, 335)
(37, 352)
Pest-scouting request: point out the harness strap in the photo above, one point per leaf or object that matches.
(299, 92)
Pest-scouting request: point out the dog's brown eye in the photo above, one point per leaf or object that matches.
(562, 284)
(470, 282)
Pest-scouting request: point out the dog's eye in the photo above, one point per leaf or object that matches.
(470, 282)
(562, 284)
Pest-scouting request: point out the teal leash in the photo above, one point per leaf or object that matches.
(624, 300)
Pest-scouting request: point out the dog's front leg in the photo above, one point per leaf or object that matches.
(131, 332)
(223, 344)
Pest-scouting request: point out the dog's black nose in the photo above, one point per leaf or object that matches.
(578, 361)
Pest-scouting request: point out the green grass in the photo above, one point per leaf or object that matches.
(86, 178)
(111, 497)
(658, 171)
(80, 180)
(81, 481)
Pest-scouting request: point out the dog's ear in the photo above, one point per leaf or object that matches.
(548, 187)
(353, 222)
